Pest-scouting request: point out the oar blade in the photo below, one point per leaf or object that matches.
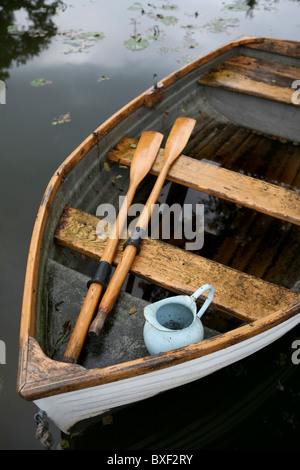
(144, 155)
(177, 140)
(178, 137)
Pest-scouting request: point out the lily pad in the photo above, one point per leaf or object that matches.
(40, 82)
(220, 25)
(165, 50)
(80, 41)
(238, 6)
(90, 36)
(169, 6)
(186, 60)
(135, 6)
(136, 44)
(169, 20)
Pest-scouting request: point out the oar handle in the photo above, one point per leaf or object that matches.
(95, 289)
(113, 289)
(147, 149)
(84, 319)
(118, 278)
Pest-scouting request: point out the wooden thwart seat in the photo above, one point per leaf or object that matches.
(255, 77)
(256, 194)
(236, 293)
(276, 46)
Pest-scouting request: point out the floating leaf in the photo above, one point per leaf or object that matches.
(40, 82)
(12, 27)
(169, 20)
(79, 42)
(220, 25)
(169, 6)
(136, 44)
(67, 117)
(165, 50)
(237, 6)
(190, 26)
(186, 60)
(106, 166)
(135, 6)
(37, 33)
(90, 36)
(62, 119)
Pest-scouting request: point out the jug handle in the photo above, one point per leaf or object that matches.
(207, 302)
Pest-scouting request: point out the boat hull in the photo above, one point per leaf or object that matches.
(68, 410)
(73, 395)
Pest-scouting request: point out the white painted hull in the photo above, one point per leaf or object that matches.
(67, 409)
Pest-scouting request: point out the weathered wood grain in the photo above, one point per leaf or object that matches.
(255, 77)
(276, 46)
(236, 293)
(250, 192)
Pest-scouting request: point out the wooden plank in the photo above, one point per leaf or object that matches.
(256, 194)
(236, 293)
(255, 77)
(277, 46)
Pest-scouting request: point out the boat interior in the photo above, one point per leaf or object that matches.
(242, 163)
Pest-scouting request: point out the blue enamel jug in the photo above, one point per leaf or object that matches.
(174, 322)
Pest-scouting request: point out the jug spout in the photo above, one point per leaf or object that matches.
(150, 316)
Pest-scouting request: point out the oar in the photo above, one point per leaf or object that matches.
(176, 142)
(143, 159)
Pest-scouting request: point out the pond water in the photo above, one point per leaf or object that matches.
(66, 68)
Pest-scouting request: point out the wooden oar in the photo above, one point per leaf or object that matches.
(143, 159)
(176, 142)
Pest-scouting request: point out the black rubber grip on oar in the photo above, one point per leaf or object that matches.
(101, 274)
(135, 239)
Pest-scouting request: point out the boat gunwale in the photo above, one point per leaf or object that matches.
(77, 377)
(93, 377)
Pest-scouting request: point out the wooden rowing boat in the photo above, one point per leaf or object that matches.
(242, 162)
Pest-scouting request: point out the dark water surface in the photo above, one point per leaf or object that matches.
(67, 67)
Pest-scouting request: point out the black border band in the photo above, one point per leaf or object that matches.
(135, 239)
(101, 274)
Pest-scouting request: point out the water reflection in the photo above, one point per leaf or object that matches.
(20, 45)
